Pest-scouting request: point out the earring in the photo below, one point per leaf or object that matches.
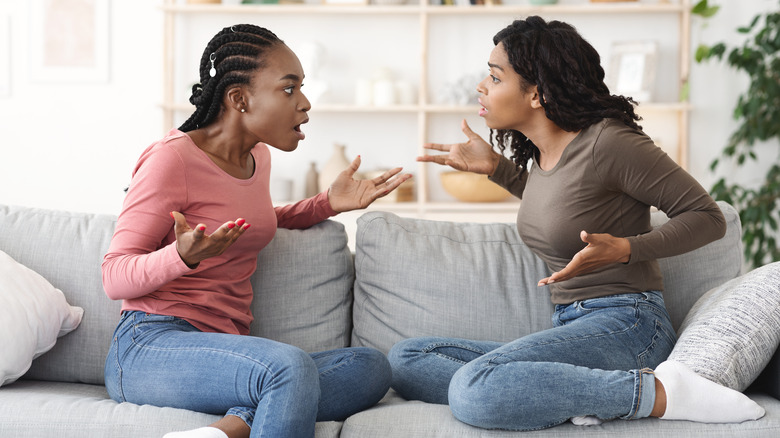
(212, 58)
(243, 110)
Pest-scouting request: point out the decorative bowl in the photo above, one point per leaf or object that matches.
(472, 187)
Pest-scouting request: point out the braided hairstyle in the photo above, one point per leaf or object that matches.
(236, 54)
(567, 72)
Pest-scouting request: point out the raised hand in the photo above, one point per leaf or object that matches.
(475, 155)
(602, 250)
(347, 193)
(194, 245)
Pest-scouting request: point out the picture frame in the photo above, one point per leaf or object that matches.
(84, 55)
(5, 55)
(632, 69)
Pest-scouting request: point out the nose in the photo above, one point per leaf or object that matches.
(304, 105)
(481, 89)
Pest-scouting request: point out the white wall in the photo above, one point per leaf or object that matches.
(72, 146)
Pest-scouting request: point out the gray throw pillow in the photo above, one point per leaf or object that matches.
(733, 330)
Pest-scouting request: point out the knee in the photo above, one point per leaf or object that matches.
(469, 400)
(375, 367)
(405, 351)
(291, 364)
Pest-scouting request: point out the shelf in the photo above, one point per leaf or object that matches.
(440, 109)
(431, 202)
(585, 8)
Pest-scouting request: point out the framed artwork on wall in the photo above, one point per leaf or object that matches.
(632, 69)
(69, 40)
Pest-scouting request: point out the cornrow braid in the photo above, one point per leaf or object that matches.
(235, 53)
(568, 75)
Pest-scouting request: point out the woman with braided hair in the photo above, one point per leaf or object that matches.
(587, 176)
(182, 339)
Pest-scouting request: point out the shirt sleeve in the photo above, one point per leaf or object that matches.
(305, 213)
(142, 256)
(506, 175)
(650, 176)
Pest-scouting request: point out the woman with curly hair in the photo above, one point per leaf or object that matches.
(587, 176)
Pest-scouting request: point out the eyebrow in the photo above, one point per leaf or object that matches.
(291, 76)
(498, 67)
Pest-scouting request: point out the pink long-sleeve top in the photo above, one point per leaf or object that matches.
(142, 266)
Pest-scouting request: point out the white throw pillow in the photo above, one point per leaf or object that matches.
(33, 314)
(732, 332)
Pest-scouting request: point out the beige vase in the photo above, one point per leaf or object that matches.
(336, 164)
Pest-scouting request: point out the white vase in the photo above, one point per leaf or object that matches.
(336, 164)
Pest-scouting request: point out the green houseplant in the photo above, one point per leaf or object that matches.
(757, 112)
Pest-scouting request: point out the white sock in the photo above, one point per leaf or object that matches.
(692, 397)
(586, 420)
(203, 432)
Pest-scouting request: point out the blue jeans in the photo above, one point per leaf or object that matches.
(277, 389)
(596, 360)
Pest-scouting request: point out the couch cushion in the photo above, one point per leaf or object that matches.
(419, 277)
(689, 276)
(33, 314)
(303, 288)
(428, 278)
(733, 330)
(67, 249)
(71, 410)
(395, 417)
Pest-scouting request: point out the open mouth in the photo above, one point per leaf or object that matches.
(297, 129)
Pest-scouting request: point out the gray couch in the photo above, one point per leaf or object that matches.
(407, 278)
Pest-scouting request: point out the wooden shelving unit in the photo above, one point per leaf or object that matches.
(424, 110)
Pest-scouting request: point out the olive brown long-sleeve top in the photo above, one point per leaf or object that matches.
(606, 181)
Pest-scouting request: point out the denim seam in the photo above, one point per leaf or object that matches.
(627, 329)
(340, 364)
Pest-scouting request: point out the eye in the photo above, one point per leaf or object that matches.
(494, 79)
(290, 89)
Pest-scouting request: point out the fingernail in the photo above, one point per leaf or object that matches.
(231, 226)
(240, 222)
(246, 226)
(172, 216)
(202, 228)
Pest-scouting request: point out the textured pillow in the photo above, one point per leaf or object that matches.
(732, 331)
(419, 277)
(33, 314)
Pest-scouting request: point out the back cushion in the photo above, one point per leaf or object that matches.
(689, 276)
(303, 288)
(303, 285)
(419, 278)
(478, 281)
(67, 249)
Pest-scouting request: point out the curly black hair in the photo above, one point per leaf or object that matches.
(567, 72)
(236, 54)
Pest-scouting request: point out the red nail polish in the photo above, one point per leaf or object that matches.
(231, 226)
(240, 222)
(246, 226)
(172, 216)
(202, 228)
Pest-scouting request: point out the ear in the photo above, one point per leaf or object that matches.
(534, 95)
(234, 98)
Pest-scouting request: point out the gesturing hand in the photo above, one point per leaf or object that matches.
(194, 245)
(347, 193)
(475, 155)
(602, 250)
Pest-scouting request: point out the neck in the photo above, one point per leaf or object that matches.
(551, 142)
